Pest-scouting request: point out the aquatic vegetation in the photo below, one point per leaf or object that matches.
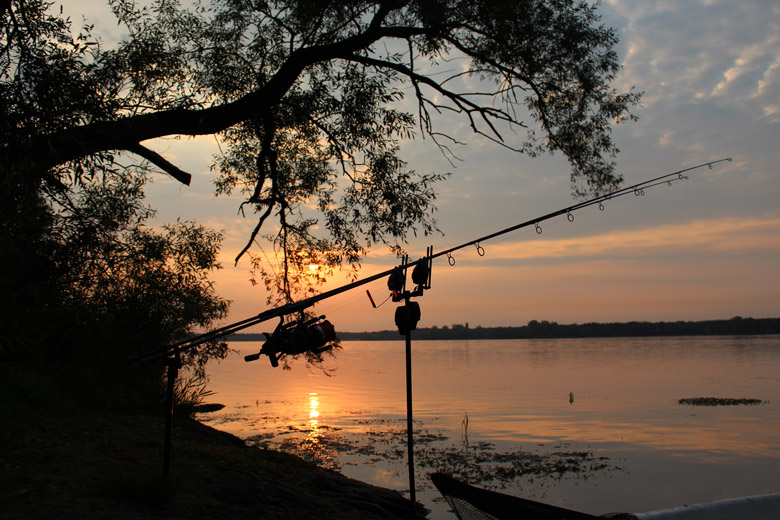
(719, 401)
(481, 463)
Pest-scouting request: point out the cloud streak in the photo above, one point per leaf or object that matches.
(726, 235)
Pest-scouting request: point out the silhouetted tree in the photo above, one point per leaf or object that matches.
(86, 283)
(307, 98)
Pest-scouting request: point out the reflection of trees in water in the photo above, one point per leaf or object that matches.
(478, 463)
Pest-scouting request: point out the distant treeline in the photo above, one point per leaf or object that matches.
(551, 329)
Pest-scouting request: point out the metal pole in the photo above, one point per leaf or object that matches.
(174, 363)
(409, 424)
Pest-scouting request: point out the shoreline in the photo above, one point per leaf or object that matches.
(109, 466)
(736, 326)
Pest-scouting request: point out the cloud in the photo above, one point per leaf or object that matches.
(710, 73)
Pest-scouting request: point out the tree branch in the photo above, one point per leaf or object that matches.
(158, 160)
(46, 151)
(255, 231)
(462, 103)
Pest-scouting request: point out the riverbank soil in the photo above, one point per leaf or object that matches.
(109, 465)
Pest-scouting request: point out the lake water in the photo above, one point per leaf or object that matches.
(589, 424)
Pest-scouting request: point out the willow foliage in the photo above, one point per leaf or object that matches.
(311, 101)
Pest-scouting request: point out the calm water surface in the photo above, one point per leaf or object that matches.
(480, 405)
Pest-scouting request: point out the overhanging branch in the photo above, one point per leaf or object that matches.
(159, 161)
(462, 103)
(47, 151)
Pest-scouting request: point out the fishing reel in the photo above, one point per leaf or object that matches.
(421, 277)
(408, 315)
(314, 335)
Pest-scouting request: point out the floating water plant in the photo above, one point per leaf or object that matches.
(719, 401)
(481, 463)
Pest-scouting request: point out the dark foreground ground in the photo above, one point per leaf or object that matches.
(110, 466)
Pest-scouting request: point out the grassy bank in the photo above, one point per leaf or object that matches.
(60, 461)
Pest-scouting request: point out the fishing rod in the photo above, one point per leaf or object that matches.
(299, 306)
(315, 334)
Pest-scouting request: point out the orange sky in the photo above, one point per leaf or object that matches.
(702, 269)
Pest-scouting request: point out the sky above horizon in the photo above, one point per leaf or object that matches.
(707, 248)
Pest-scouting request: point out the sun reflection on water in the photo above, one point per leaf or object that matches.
(314, 410)
(316, 447)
